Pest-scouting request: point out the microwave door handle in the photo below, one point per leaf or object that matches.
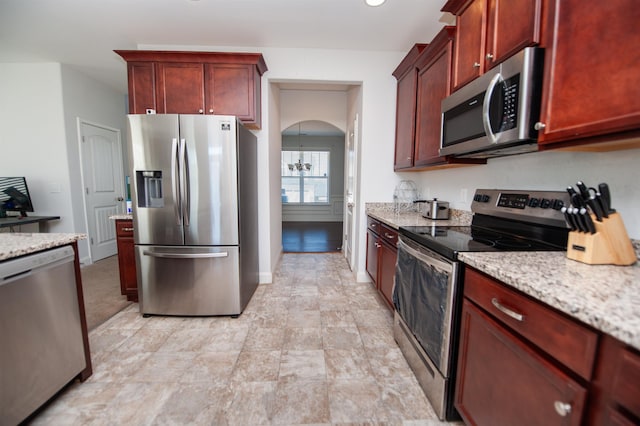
(175, 181)
(486, 121)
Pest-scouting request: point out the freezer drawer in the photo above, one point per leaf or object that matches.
(188, 280)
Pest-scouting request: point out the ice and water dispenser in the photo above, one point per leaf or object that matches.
(149, 183)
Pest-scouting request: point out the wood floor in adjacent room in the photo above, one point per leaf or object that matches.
(311, 237)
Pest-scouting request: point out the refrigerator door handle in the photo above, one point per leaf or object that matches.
(184, 181)
(185, 255)
(175, 182)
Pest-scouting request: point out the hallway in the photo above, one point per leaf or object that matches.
(311, 237)
(313, 347)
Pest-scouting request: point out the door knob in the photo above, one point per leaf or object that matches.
(120, 199)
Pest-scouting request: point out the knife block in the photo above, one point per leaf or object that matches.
(610, 245)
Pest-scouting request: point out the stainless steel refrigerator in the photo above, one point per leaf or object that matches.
(195, 213)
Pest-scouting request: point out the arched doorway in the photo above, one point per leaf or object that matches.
(312, 189)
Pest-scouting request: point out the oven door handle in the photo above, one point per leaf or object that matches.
(425, 255)
(486, 104)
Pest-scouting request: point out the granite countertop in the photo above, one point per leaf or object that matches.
(19, 244)
(603, 296)
(385, 213)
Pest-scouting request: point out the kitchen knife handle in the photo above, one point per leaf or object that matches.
(595, 208)
(605, 195)
(603, 208)
(568, 218)
(591, 228)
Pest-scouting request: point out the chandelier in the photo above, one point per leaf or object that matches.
(299, 165)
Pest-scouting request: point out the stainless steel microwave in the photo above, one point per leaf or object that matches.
(495, 114)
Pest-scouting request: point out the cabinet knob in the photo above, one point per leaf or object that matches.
(409, 158)
(476, 64)
(378, 245)
(200, 111)
(539, 126)
(490, 56)
(562, 408)
(210, 110)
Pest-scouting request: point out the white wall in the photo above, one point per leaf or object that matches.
(545, 171)
(39, 108)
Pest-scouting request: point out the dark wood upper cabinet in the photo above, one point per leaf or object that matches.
(407, 76)
(180, 88)
(142, 83)
(196, 83)
(424, 80)
(490, 31)
(592, 67)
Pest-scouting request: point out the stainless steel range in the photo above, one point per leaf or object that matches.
(429, 278)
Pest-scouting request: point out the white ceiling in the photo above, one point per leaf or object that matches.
(84, 33)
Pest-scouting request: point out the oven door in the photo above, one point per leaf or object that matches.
(423, 296)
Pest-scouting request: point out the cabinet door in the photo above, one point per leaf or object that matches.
(470, 40)
(502, 381)
(433, 87)
(142, 95)
(372, 256)
(512, 26)
(405, 120)
(388, 256)
(126, 259)
(180, 88)
(592, 66)
(229, 90)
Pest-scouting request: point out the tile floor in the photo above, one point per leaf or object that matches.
(313, 347)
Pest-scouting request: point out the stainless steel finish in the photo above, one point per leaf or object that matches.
(562, 408)
(543, 216)
(197, 250)
(440, 263)
(485, 108)
(539, 126)
(511, 141)
(185, 255)
(42, 347)
(516, 316)
(431, 381)
(127, 229)
(436, 210)
(189, 280)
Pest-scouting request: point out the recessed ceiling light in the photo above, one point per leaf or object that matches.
(374, 2)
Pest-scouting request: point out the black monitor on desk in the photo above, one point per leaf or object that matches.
(14, 196)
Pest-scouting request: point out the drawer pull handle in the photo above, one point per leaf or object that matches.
(562, 408)
(127, 229)
(516, 316)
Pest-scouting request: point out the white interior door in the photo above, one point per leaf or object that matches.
(102, 178)
(350, 194)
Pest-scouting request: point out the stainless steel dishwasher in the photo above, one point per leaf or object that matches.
(41, 334)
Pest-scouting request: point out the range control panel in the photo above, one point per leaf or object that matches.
(525, 205)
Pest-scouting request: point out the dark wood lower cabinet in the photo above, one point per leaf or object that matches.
(127, 259)
(382, 254)
(503, 381)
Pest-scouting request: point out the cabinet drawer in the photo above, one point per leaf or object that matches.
(124, 228)
(626, 381)
(388, 234)
(374, 225)
(567, 341)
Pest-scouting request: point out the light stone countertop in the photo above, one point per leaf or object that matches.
(603, 296)
(385, 213)
(19, 244)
